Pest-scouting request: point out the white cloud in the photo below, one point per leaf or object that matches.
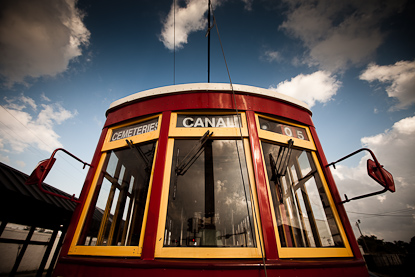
(394, 149)
(178, 25)
(397, 146)
(272, 56)
(400, 76)
(4, 159)
(39, 38)
(22, 101)
(44, 97)
(381, 198)
(319, 86)
(338, 34)
(21, 164)
(405, 126)
(187, 19)
(29, 101)
(248, 4)
(19, 129)
(53, 113)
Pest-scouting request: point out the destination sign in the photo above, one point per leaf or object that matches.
(134, 130)
(283, 129)
(207, 121)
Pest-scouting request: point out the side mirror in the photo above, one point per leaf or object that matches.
(41, 171)
(380, 175)
(375, 171)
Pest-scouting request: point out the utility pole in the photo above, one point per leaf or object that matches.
(363, 238)
(208, 34)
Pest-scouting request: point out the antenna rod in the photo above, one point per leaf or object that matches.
(209, 41)
(174, 42)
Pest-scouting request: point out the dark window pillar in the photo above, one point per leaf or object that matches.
(210, 225)
(22, 251)
(2, 227)
(47, 253)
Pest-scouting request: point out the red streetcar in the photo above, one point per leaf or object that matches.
(211, 180)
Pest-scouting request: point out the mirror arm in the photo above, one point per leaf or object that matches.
(354, 153)
(378, 165)
(72, 155)
(363, 196)
(48, 167)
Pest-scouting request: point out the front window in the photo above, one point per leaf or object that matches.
(113, 220)
(122, 191)
(305, 220)
(304, 215)
(208, 207)
(209, 203)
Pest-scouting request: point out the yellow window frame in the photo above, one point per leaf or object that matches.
(268, 135)
(207, 252)
(303, 252)
(120, 251)
(109, 145)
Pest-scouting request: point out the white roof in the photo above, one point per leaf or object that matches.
(208, 87)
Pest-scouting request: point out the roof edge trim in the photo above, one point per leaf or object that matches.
(208, 87)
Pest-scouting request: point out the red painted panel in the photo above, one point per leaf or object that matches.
(226, 268)
(206, 101)
(336, 196)
(87, 185)
(155, 198)
(283, 109)
(271, 249)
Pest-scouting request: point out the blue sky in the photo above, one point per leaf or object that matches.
(353, 62)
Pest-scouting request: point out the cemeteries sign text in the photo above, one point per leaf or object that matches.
(134, 130)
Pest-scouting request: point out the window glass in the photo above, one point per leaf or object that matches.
(120, 198)
(209, 202)
(303, 213)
